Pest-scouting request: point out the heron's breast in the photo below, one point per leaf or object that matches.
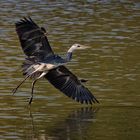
(43, 67)
(49, 66)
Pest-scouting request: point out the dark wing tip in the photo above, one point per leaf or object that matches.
(25, 20)
(77, 92)
(86, 96)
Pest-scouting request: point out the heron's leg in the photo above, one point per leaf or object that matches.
(32, 92)
(33, 84)
(15, 89)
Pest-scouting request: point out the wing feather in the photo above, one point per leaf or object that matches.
(33, 39)
(68, 83)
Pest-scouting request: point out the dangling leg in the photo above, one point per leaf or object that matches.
(15, 89)
(32, 92)
(33, 84)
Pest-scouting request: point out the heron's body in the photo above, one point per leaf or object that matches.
(42, 62)
(45, 65)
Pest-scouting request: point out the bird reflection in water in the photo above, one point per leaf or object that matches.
(75, 126)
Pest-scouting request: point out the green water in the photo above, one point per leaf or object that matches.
(111, 29)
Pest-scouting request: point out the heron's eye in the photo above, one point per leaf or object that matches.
(78, 46)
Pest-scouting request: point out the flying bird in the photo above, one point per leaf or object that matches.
(41, 61)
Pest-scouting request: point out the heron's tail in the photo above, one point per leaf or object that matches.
(29, 66)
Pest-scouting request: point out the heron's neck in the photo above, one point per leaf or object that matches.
(69, 53)
(68, 56)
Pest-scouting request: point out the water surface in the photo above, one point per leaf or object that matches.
(111, 64)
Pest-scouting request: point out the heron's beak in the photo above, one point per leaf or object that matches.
(82, 47)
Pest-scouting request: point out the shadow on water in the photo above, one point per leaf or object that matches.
(74, 126)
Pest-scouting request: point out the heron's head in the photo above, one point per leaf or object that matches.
(77, 47)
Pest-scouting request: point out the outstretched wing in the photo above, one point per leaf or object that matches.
(65, 81)
(33, 39)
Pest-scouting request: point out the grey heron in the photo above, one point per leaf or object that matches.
(41, 62)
